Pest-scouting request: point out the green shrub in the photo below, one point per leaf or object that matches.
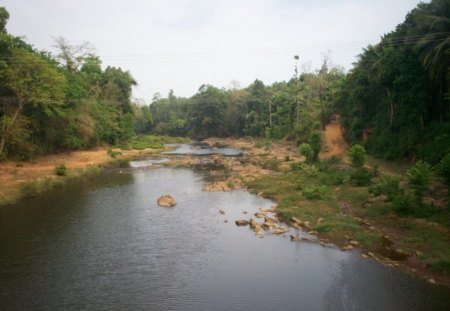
(113, 154)
(271, 164)
(315, 141)
(407, 204)
(60, 170)
(262, 142)
(358, 155)
(333, 178)
(306, 151)
(309, 169)
(403, 204)
(443, 169)
(419, 177)
(442, 266)
(361, 177)
(29, 189)
(317, 192)
(389, 186)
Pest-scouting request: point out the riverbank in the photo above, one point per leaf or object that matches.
(319, 195)
(23, 179)
(330, 206)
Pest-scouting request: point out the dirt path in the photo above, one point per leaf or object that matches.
(334, 143)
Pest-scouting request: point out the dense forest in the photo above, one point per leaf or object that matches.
(397, 93)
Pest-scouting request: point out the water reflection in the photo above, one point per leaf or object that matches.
(203, 149)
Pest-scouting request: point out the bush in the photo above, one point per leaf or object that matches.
(315, 141)
(317, 192)
(60, 170)
(332, 178)
(443, 169)
(113, 154)
(389, 186)
(361, 177)
(358, 155)
(262, 142)
(308, 169)
(29, 189)
(306, 151)
(403, 204)
(419, 177)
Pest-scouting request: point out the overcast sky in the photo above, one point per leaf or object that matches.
(182, 44)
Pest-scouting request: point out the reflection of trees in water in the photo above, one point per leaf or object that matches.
(363, 285)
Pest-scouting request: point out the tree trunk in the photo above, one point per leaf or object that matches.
(7, 129)
(391, 108)
(270, 113)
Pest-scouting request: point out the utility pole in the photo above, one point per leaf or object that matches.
(296, 77)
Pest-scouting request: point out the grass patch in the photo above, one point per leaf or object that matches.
(262, 142)
(315, 192)
(35, 187)
(153, 142)
(61, 170)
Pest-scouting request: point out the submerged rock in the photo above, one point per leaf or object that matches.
(280, 230)
(259, 215)
(166, 201)
(273, 219)
(219, 186)
(242, 222)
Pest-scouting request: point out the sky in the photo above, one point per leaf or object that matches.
(183, 44)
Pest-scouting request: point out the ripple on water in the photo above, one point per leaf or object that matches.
(104, 244)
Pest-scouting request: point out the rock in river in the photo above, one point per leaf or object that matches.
(166, 201)
(242, 222)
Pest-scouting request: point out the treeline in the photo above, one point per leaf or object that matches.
(398, 90)
(284, 109)
(396, 96)
(52, 103)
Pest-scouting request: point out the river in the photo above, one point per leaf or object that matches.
(102, 243)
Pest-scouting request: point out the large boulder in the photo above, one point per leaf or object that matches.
(166, 201)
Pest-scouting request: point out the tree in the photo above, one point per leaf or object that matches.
(358, 155)
(72, 56)
(207, 112)
(32, 81)
(4, 16)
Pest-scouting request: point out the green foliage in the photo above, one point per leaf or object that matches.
(443, 168)
(441, 266)
(315, 192)
(308, 169)
(154, 142)
(332, 178)
(419, 177)
(112, 153)
(361, 177)
(306, 151)
(358, 155)
(60, 170)
(29, 189)
(398, 89)
(271, 164)
(389, 186)
(262, 142)
(411, 205)
(315, 141)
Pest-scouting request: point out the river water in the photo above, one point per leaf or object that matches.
(102, 243)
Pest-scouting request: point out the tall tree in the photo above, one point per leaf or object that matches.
(33, 82)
